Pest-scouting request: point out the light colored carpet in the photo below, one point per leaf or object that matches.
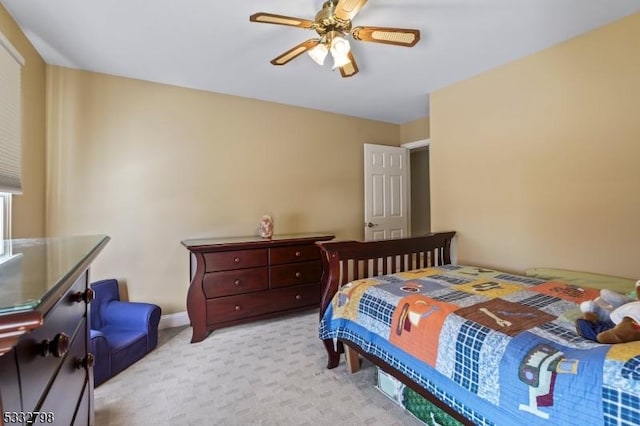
(270, 372)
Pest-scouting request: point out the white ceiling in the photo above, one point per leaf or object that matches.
(211, 45)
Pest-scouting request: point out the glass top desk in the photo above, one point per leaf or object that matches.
(34, 274)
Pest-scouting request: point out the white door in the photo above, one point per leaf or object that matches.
(386, 192)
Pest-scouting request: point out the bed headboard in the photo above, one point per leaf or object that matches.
(345, 261)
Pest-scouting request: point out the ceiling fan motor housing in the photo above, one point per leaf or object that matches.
(326, 20)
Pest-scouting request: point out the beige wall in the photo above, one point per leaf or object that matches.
(28, 208)
(415, 130)
(151, 165)
(536, 163)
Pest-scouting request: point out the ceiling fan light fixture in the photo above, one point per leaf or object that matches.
(340, 49)
(340, 60)
(319, 53)
(340, 46)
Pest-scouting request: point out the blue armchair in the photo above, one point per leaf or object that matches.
(121, 332)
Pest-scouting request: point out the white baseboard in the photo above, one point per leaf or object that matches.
(174, 320)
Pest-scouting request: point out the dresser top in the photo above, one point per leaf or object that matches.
(36, 270)
(254, 241)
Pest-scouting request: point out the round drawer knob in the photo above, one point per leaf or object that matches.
(298, 297)
(237, 282)
(298, 274)
(236, 259)
(298, 254)
(86, 362)
(58, 346)
(237, 307)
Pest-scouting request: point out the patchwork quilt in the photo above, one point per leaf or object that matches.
(497, 347)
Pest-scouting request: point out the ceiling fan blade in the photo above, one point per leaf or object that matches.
(295, 51)
(270, 18)
(396, 36)
(350, 69)
(347, 9)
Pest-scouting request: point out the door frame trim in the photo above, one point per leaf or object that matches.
(417, 144)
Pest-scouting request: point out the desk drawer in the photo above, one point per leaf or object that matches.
(290, 254)
(248, 305)
(66, 389)
(37, 370)
(227, 260)
(227, 283)
(295, 274)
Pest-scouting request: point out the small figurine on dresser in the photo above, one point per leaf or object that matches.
(266, 226)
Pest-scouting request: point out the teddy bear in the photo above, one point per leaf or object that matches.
(611, 318)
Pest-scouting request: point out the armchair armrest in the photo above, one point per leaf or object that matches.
(99, 347)
(132, 315)
(98, 341)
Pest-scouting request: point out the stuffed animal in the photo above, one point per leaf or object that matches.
(611, 318)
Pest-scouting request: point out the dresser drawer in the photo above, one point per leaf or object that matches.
(35, 369)
(226, 260)
(66, 389)
(227, 283)
(290, 254)
(295, 273)
(232, 308)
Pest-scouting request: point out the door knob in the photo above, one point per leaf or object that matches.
(370, 225)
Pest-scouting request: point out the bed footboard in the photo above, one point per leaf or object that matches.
(345, 261)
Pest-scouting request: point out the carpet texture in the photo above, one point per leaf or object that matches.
(270, 372)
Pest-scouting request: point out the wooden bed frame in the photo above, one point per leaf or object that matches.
(345, 261)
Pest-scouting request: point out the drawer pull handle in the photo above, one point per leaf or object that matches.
(236, 259)
(298, 274)
(237, 307)
(298, 297)
(58, 347)
(83, 296)
(298, 254)
(86, 362)
(237, 282)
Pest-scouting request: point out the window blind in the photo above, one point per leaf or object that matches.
(10, 117)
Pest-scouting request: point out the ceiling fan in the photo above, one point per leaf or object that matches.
(333, 25)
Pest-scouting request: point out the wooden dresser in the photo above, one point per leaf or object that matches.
(46, 374)
(235, 280)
